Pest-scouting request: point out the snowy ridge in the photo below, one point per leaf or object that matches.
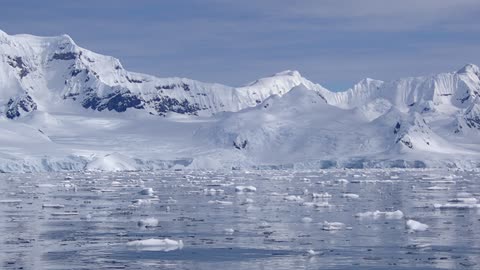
(63, 107)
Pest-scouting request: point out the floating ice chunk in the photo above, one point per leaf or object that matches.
(317, 204)
(307, 220)
(148, 222)
(157, 244)
(377, 214)
(65, 214)
(116, 184)
(45, 185)
(220, 202)
(142, 201)
(464, 195)
(350, 196)
(456, 206)
(437, 188)
(11, 201)
(464, 200)
(228, 231)
(248, 201)
(147, 191)
(413, 226)
(278, 194)
(332, 226)
(321, 195)
(245, 189)
(171, 201)
(293, 198)
(311, 252)
(212, 191)
(48, 205)
(394, 215)
(341, 181)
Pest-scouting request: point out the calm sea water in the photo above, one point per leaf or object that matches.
(86, 220)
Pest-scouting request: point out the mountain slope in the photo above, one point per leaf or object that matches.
(63, 107)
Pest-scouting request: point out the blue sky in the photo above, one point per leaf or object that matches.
(332, 42)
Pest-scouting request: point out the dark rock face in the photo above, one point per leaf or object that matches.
(17, 63)
(16, 107)
(473, 122)
(164, 104)
(240, 145)
(120, 101)
(397, 128)
(64, 56)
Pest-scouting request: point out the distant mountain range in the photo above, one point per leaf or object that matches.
(67, 108)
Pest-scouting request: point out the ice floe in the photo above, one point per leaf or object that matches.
(148, 222)
(378, 214)
(413, 226)
(157, 244)
(245, 189)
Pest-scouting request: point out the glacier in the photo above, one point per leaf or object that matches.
(65, 108)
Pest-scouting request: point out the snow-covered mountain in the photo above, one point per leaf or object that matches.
(49, 73)
(66, 108)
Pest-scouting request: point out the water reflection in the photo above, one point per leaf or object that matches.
(85, 220)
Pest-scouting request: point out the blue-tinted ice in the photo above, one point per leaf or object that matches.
(241, 220)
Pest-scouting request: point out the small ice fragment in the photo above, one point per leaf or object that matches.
(147, 191)
(307, 220)
(311, 252)
(212, 191)
(394, 215)
(455, 206)
(57, 206)
(321, 195)
(437, 188)
(350, 196)
(228, 231)
(413, 226)
(148, 222)
(220, 202)
(332, 226)
(116, 184)
(65, 214)
(157, 244)
(248, 201)
(464, 200)
(377, 214)
(11, 201)
(293, 198)
(245, 189)
(142, 201)
(45, 185)
(341, 181)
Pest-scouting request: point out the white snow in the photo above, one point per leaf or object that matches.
(63, 99)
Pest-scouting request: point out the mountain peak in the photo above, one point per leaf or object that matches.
(293, 73)
(469, 68)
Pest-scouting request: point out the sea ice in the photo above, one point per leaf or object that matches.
(413, 226)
